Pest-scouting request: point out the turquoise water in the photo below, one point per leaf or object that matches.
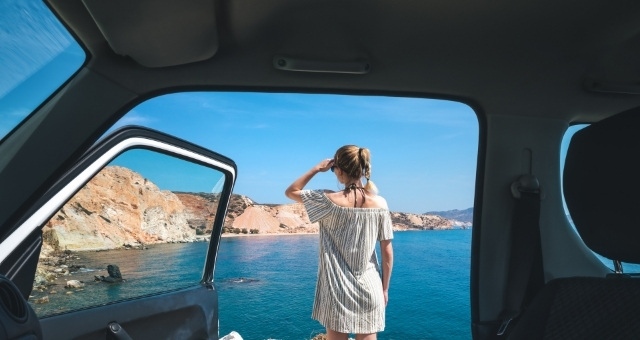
(266, 286)
(266, 283)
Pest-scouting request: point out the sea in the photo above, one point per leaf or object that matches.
(266, 283)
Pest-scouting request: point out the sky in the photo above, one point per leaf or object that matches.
(423, 150)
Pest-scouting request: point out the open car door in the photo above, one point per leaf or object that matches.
(122, 246)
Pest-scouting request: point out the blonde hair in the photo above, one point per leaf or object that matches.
(356, 163)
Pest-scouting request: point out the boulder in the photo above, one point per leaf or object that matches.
(74, 284)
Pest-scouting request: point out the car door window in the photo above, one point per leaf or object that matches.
(424, 154)
(140, 226)
(37, 57)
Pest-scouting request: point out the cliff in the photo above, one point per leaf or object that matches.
(465, 215)
(405, 221)
(119, 208)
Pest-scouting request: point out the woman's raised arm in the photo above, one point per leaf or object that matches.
(293, 191)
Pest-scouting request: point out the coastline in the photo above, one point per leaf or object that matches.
(267, 234)
(316, 233)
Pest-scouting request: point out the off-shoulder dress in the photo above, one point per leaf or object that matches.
(348, 295)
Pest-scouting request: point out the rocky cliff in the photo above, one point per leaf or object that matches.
(119, 208)
(465, 215)
(405, 221)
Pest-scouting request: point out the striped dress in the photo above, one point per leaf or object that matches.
(348, 297)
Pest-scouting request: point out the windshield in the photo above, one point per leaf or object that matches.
(37, 55)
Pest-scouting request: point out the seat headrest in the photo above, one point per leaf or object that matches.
(602, 185)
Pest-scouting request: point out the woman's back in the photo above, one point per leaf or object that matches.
(351, 292)
(346, 199)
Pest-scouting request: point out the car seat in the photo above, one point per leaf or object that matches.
(602, 192)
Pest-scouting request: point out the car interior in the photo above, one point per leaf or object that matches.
(592, 307)
(529, 69)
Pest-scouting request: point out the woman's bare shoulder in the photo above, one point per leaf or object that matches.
(372, 200)
(334, 196)
(377, 201)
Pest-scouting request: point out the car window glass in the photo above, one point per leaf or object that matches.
(424, 154)
(37, 57)
(140, 226)
(564, 146)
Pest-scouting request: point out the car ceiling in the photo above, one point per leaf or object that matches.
(533, 58)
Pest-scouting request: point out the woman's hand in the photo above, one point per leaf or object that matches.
(325, 165)
(293, 191)
(387, 266)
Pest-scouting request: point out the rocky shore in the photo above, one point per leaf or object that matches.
(119, 209)
(50, 275)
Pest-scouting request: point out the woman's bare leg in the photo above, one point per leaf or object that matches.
(372, 336)
(333, 335)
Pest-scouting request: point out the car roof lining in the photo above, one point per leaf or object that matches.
(157, 33)
(483, 52)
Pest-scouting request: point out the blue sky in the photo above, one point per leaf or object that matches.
(423, 150)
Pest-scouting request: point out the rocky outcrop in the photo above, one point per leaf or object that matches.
(461, 216)
(119, 208)
(405, 221)
(200, 210)
(244, 216)
(52, 265)
(114, 275)
(279, 219)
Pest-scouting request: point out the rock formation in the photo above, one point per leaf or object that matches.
(114, 275)
(119, 208)
(406, 221)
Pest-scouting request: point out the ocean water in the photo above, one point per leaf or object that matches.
(266, 284)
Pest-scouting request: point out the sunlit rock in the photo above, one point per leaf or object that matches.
(74, 284)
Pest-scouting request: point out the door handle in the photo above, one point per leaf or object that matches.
(116, 332)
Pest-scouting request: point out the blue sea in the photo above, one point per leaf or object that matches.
(266, 283)
(428, 298)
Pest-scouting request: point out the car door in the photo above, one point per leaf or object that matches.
(123, 245)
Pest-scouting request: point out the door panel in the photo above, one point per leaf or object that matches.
(128, 237)
(186, 314)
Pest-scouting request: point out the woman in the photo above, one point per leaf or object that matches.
(351, 294)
